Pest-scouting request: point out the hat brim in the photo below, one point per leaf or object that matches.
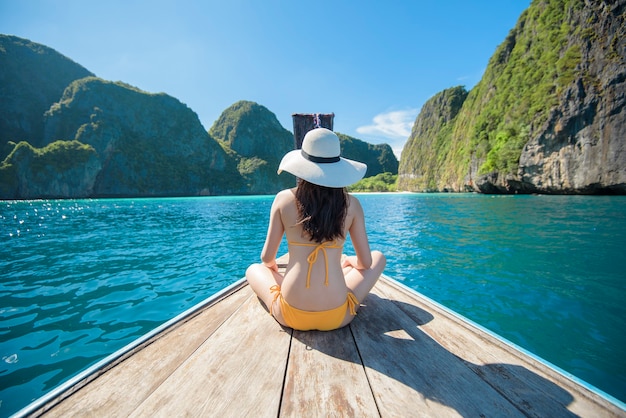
(338, 174)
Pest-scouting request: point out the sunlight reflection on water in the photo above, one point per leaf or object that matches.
(80, 279)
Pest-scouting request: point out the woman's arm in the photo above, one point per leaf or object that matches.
(275, 231)
(358, 235)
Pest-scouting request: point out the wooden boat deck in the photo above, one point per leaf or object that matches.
(403, 355)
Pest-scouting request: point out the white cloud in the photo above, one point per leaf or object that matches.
(393, 125)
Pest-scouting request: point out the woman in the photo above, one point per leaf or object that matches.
(319, 289)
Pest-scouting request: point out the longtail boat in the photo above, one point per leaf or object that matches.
(403, 355)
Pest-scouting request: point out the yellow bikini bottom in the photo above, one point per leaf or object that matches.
(308, 320)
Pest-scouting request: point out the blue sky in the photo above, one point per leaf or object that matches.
(372, 63)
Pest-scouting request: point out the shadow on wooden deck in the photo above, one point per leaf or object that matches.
(407, 370)
(403, 355)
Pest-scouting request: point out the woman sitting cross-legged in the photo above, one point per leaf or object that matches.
(319, 290)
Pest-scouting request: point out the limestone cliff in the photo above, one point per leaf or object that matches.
(581, 147)
(65, 169)
(67, 135)
(430, 137)
(147, 144)
(548, 116)
(378, 157)
(257, 141)
(32, 78)
(134, 144)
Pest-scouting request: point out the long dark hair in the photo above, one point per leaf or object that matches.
(321, 210)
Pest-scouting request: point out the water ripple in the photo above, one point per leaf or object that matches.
(80, 279)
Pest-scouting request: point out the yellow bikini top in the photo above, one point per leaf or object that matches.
(312, 258)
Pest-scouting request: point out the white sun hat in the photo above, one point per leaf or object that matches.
(320, 162)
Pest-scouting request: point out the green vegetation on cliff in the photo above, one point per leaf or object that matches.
(148, 144)
(32, 78)
(59, 155)
(255, 139)
(429, 143)
(68, 133)
(252, 135)
(527, 73)
(51, 171)
(383, 182)
(378, 157)
(548, 65)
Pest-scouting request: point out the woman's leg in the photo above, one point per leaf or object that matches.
(360, 282)
(260, 279)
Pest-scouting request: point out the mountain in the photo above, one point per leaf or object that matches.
(32, 78)
(65, 133)
(548, 116)
(378, 157)
(111, 139)
(254, 137)
(420, 164)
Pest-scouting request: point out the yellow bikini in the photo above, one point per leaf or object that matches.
(320, 320)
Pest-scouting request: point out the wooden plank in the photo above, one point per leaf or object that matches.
(402, 356)
(325, 377)
(412, 375)
(534, 388)
(239, 371)
(121, 389)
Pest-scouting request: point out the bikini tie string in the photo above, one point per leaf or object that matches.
(312, 258)
(353, 302)
(276, 290)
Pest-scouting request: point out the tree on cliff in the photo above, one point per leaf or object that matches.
(549, 114)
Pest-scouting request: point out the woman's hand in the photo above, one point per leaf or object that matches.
(350, 261)
(272, 265)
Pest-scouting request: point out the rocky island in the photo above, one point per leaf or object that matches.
(548, 116)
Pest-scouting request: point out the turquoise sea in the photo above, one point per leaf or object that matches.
(80, 279)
